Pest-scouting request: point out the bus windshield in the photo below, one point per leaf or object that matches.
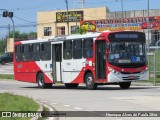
(127, 52)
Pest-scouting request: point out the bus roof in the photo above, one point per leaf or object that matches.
(67, 37)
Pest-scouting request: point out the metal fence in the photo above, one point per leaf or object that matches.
(153, 49)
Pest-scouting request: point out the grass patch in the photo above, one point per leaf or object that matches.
(10, 102)
(1, 53)
(157, 79)
(6, 76)
(151, 66)
(44, 109)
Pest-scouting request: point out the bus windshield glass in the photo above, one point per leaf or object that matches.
(127, 52)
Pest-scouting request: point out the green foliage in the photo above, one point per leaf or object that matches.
(81, 30)
(157, 60)
(3, 44)
(18, 36)
(23, 36)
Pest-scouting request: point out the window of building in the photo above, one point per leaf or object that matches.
(88, 47)
(61, 30)
(74, 29)
(47, 31)
(45, 51)
(77, 49)
(67, 46)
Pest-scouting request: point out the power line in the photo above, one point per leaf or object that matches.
(111, 1)
(24, 20)
(37, 7)
(19, 26)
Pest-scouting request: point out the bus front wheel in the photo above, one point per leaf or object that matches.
(41, 81)
(89, 80)
(125, 85)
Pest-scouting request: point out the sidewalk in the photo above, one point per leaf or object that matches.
(138, 83)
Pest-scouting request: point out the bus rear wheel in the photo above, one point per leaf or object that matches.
(125, 85)
(71, 85)
(41, 81)
(89, 80)
(3, 62)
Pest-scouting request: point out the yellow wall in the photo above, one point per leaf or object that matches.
(10, 45)
(48, 19)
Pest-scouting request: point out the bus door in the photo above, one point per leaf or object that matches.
(100, 59)
(56, 62)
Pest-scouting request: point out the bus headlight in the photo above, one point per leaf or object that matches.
(114, 71)
(144, 71)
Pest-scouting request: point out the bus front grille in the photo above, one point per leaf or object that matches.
(131, 78)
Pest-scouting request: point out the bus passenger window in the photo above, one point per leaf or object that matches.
(77, 49)
(45, 51)
(89, 53)
(88, 47)
(26, 55)
(18, 53)
(67, 50)
(36, 52)
(67, 55)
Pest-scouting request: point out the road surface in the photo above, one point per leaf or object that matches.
(7, 68)
(105, 98)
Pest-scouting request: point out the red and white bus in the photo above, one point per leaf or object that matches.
(98, 58)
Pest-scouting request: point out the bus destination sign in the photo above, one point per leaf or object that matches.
(123, 36)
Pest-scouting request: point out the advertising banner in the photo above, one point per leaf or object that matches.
(73, 16)
(137, 23)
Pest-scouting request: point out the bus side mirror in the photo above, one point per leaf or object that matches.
(107, 46)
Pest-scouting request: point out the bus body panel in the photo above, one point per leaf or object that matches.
(74, 70)
(112, 78)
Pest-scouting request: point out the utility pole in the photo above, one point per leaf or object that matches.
(13, 29)
(82, 3)
(122, 13)
(148, 42)
(148, 27)
(9, 30)
(67, 16)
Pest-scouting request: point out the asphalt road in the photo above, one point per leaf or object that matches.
(7, 68)
(105, 98)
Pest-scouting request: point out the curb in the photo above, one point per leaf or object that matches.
(50, 109)
(40, 109)
(42, 105)
(144, 84)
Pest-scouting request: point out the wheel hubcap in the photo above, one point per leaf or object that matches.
(89, 81)
(40, 81)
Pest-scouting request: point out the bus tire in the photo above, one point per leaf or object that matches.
(3, 62)
(125, 85)
(89, 80)
(71, 85)
(49, 85)
(41, 81)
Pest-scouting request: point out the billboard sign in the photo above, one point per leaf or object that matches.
(137, 23)
(73, 16)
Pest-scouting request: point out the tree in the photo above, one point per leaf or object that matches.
(81, 30)
(23, 36)
(3, 44)
(18, 36)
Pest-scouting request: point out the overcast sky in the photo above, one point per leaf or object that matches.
(25, 11)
